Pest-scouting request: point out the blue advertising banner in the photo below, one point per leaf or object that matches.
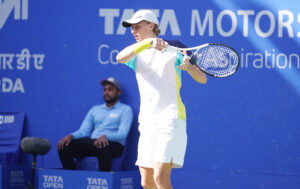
(14, 177)
(11, 127)
(54, 53)
(51, 178)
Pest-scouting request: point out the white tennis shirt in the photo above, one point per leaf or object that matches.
(159, 82)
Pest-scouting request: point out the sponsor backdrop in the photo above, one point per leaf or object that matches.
(52, 178)
(53, 54)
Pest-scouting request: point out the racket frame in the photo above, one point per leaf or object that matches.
(197, 48)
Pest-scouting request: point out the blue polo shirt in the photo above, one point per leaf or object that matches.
(114, 122)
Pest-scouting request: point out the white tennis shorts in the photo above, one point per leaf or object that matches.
(162, 143)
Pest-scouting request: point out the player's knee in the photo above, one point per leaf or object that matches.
(162, 178)
(148, 184)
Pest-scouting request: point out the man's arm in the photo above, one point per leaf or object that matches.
(64, 142)
(131, 51)
(127, 54)
(193, 70)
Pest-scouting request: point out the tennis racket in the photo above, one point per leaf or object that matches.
(215, 59)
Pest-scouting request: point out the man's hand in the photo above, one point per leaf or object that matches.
(193, 70)
(101, 142)
(64, 142)
(186, 65)
(159, 44)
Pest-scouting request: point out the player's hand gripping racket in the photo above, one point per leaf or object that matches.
(215, 59)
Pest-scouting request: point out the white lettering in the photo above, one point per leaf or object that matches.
(16, 173)
(54, 178)
(5, 61)
(97, 181)
(257, 23)
(8, 85)
(110, 54)
(25, 55)
(23, 61)
(16, 180)
(208, 19)
(96, 187)
(127, 14)
(100, 54)
(169, 18)
(297, 61)
(287, 24)
(7, 6)
(284, 61)
(258, 60)
(113, 55)
(270, 60)
(10, 119)
(233, 23)
(205, 24)
(53, 185)
(38, 60)
(298, 19)
(127, 180)
(53, 181)
(245, 14)
(109, 15)
(25, 9)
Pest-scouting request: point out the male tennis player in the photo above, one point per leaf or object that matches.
(162, 118)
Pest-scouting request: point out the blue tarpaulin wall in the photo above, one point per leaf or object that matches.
(54, 53)
(11, 127)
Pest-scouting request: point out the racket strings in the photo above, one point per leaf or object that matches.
(216, 60)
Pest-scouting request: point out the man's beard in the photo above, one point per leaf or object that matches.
(111, 100)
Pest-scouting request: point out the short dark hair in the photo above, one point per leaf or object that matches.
(156, 30)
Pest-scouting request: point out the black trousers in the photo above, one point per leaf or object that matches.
(83, 147)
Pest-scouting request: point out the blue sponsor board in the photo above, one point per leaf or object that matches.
(55, 178)
(53, 54)
(11, 127)
(14, 177)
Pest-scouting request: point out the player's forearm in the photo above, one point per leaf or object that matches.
(131, 51)
(197, 74)
(126, 54)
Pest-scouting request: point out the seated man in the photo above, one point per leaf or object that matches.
(102, 133)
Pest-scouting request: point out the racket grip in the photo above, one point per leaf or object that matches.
(171, 48)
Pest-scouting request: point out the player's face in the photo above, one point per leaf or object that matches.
(142, 30)
(111, 93)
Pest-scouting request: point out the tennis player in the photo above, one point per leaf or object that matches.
(162, 117)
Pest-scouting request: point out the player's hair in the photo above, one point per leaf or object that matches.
(156, 30)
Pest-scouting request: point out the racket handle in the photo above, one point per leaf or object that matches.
(172, 48)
